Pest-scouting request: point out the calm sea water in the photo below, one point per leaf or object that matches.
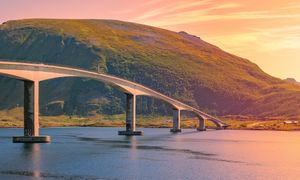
(99, 153)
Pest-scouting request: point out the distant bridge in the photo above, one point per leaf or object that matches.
(33, 73)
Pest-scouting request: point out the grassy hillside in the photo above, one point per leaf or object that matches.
(179, 65)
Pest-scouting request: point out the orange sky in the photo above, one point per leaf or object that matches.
(266, 32)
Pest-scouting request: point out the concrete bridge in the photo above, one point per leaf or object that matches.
(32, 74)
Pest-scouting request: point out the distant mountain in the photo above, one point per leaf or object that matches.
(179, 65)
(292, 80)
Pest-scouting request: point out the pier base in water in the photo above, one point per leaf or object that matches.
(131, 133)
(175, 130)
(32, 139)
(201, 129)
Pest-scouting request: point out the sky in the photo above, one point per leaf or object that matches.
(267, 32)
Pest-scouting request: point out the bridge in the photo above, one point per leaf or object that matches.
(32, 74)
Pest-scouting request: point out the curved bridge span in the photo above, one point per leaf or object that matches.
(33, 73)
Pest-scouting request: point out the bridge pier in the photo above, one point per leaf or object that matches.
(31, 115)
(220, 128)
(130, 117)
(201, 124)
(176, 121)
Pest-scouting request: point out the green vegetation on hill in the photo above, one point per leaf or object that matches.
(179, 65)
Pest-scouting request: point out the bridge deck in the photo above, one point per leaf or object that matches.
(40, 72)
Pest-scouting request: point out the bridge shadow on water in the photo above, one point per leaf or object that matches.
(134, 144)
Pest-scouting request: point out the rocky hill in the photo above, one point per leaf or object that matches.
(179, 65)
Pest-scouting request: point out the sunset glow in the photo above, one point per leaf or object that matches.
(266, 32)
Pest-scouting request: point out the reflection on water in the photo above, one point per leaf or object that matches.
(49, 175)
(99, 153)
(32, 154)
(132, 146)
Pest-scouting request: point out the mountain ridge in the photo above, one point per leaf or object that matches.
(202, 74)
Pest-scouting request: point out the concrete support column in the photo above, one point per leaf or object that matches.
(31, 108)
(130, 116)
(130, 112)
(31, 115)
(176, 121)
(201, 124)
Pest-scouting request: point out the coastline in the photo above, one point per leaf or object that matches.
(13, 118)
(186, 124)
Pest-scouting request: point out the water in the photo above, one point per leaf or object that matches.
(99, 153)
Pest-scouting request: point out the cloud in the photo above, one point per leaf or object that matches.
(185, 13)
(170, 8)
(205, 15)
(262, 40)
(151, 2)
(289, 6)
(210, 10)
(125, 11)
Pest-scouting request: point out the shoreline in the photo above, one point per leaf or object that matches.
(159, 127)
(14, 119)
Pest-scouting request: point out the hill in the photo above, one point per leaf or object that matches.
(292, 80)
(179, 65)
